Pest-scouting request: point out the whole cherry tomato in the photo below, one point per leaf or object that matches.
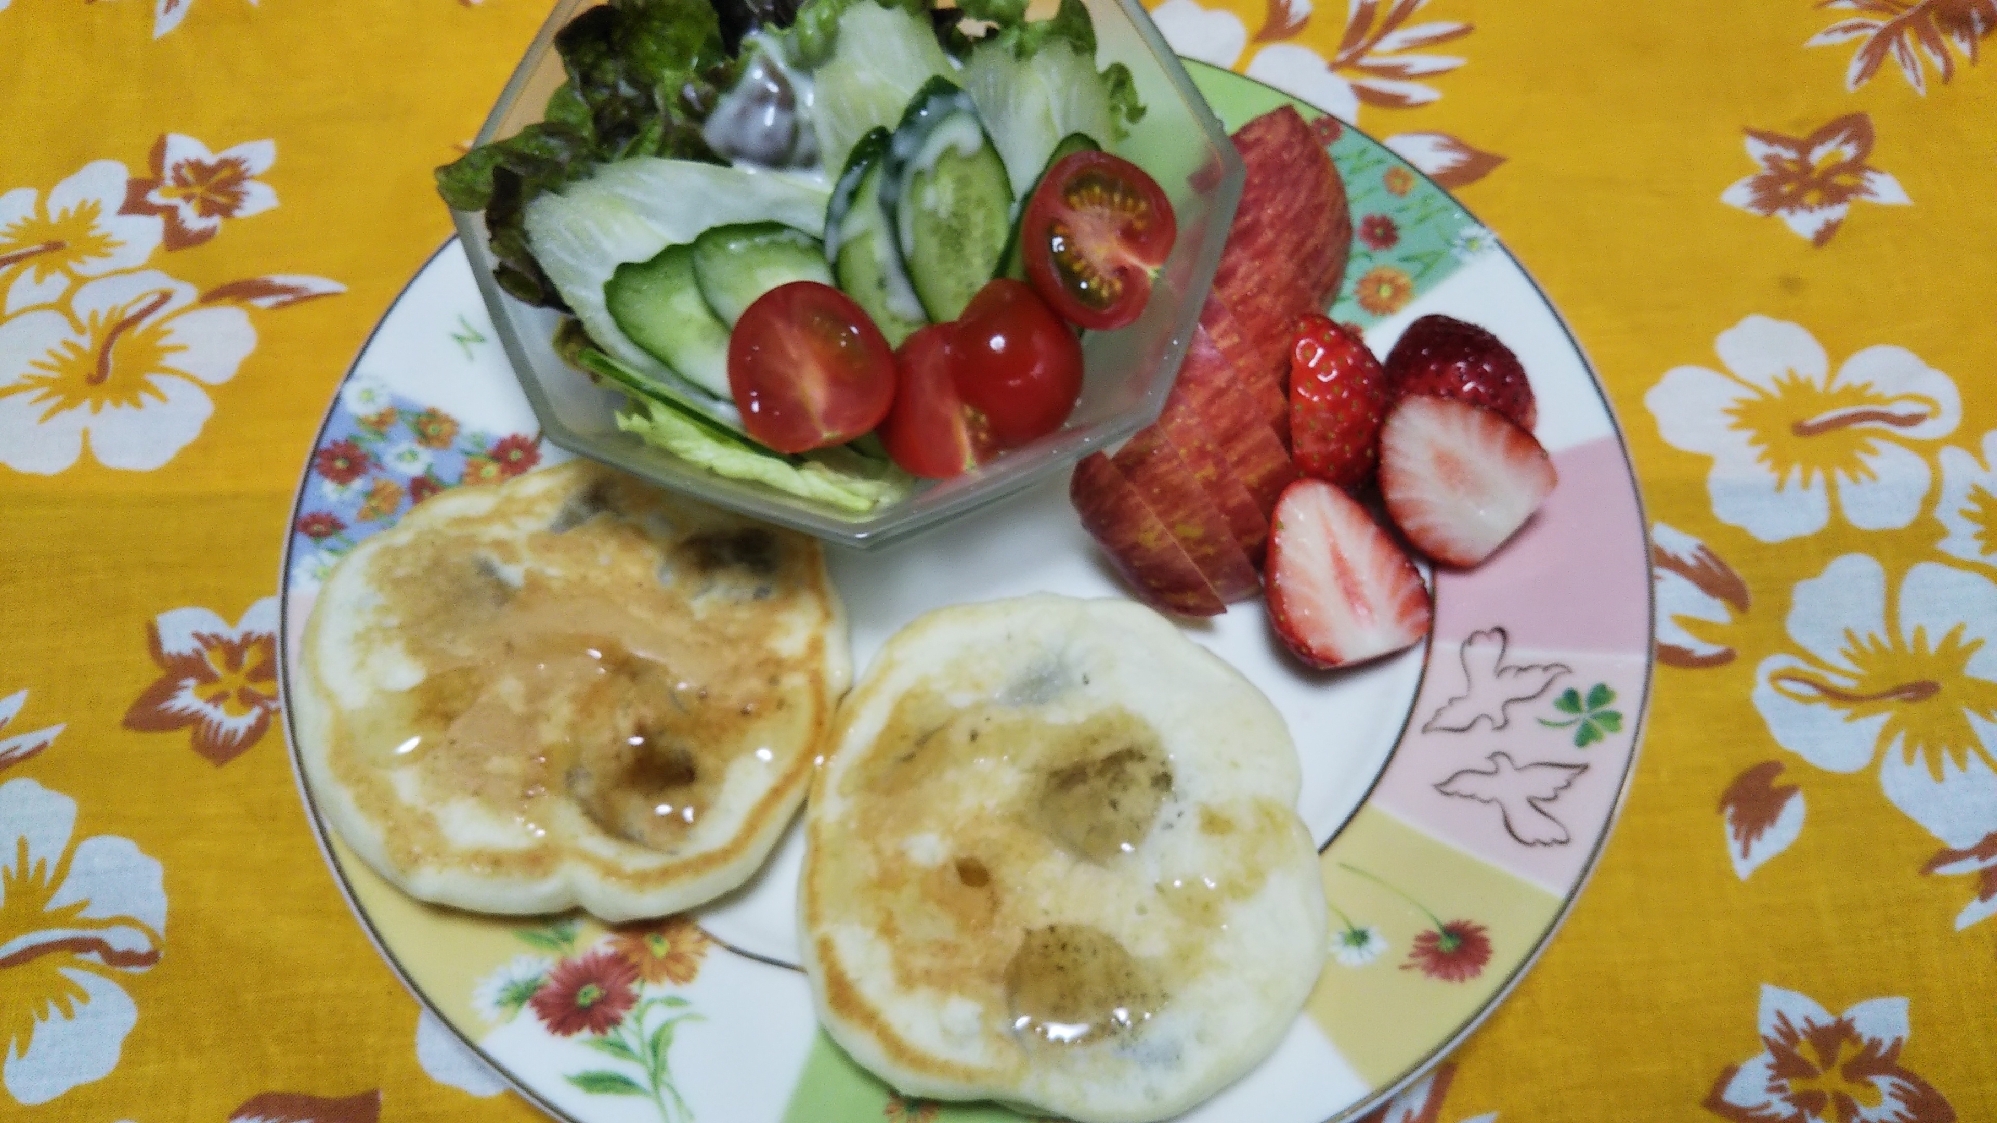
(930, 431)
(1093, 235)
(1017, 363)
(808, 368)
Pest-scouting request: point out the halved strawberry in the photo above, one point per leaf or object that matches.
(1459, 479)
(1340, 589)
(1449, 358)
(1338, 396)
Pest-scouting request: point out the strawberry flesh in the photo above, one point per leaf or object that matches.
(1458, 479)
(1341, 591)
(1338, 397)
(1448, 358)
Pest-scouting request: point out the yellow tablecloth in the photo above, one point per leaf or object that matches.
(1773, 227)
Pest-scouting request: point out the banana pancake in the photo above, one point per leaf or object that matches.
(569, 689)
(1053, 859)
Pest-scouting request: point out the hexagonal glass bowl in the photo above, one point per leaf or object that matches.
(1127, 372)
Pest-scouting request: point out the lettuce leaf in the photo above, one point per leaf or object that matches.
(633, 66)
(837, 477)
(847, 479)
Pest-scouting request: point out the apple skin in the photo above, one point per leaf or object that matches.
(1297, 203)
(1286, 251)
(1210, 388)
(1187, 431)
(1140, 546)
(1153, 466)
(1265, 380)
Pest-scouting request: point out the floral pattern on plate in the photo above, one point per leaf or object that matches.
(379, 457)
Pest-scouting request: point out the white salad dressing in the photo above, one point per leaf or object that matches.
(765, 119)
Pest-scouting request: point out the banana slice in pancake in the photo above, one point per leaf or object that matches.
(569, 689)
(1053, 859)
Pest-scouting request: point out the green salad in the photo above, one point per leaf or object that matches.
(700, 155)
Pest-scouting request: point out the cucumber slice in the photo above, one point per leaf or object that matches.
(658, 305)
(952, 204)
(862, 247)
(1014, 265)
(736, 264)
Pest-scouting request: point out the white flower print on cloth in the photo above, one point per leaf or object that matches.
(1213, 35)
(1692, 583)
(1968, 506)
(1789, 440)
(193, 189)
(448, 1060)
(73, 920)
(1815, 1068)
(125, 366)
(48, 242)
(1906, 677)
(1373, 64)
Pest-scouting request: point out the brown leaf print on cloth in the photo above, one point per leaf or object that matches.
(1762, 817)
(1810, 182)
(298, 1107)
(1914, 35)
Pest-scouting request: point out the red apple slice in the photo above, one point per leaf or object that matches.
(1261, 373)
(1143, 550)
(1186, 429)
(1210, 388)
(1158, 473)
(1296, 189)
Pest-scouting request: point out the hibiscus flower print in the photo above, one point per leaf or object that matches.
(76, 920)
(75, 232)
(1905, 677)
(219, 681)
(1692, 583)
(1811, 182)
(1789, 440)
(588, 994)
(19, 747)
(125, 367)
(193, 189)
(665, 951)
(1968, 506)
(1373, 63)
(1814, 1067)
(1913, 33)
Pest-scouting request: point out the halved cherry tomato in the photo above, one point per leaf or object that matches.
(930, 431)
(1017, 363)
(1094, 234)
(808, 368)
